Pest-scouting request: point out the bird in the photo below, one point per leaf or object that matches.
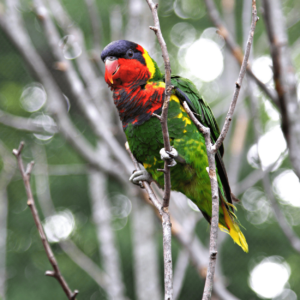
(138, 88)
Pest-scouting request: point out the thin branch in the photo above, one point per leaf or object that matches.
(30, 202)
(168, 91)
(96, 27)
(25, 124)
(101, 213)
(215, 205)
(281, 219)
(179, 272)
(6, 175)
(48, 209)
(239, 81)
(235, 49)
(89, 109)
(256, 176)
(284, 78)
(167, 233)
(12, 26)
(211, 151)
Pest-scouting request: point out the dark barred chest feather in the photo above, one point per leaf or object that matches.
(137, 102)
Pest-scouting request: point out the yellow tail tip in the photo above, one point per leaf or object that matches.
(233, 229)
(237, 236)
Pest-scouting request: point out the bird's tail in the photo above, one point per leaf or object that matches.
(233, 228)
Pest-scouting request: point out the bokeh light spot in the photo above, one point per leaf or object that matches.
(287, 187)
(268, 278)
(205, 59)
(48, 124)
(33, 97)
(183, 34)
(70, 47)
(270, 147)
(59, 226)
(189, 9)
(262, 68)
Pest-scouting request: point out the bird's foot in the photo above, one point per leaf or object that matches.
(169, 155)
(140, 175)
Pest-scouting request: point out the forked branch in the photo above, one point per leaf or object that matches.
(30, 202)
(211, 151)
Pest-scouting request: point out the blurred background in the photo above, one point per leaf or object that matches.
(106, 237)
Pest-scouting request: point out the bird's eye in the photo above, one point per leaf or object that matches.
(130, 53)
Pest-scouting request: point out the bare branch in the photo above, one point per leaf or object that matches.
(168, 90)
(24, 124)
(238, 82)
(6, 175)
(235, 49)
(179, 272)
(144, 244)
(284, 78)
(91, 113)
(167, 233)
(48, 209)
(96, 27)
(211, 151)
(30, 202)
(15, 32)
(101, 211)
(282, 222)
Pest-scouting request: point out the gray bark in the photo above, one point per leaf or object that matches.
(146, 271)
(108, 250)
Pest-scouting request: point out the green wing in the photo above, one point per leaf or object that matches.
(185, 90)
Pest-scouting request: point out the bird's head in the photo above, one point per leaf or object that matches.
(127, 62)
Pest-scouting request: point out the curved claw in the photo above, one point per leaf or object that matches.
(138, 176)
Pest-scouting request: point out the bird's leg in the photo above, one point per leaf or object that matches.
(172, 155)
(140, 175)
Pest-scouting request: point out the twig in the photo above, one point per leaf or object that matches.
(167, 233)
(168, 90)
(179, 271)
(239, 81)
(235, 49)
(11, 26)
(211, 151)
(281, 219)
(30, 202)
(215, 205)
(284, 78)
(25, 124)
(44, 199)
(83, 99)
(101, 212)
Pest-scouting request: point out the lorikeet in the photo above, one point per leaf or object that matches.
(138, 91)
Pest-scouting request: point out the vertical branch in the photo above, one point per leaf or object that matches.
(146, 270)
(167, 182)
(235, 49)
(167, 233)
(6, 174)
(168, 90)
(30, 202)
(48, 209)
(108, 250)
(284, 78)
(211, 151)
(279, 215)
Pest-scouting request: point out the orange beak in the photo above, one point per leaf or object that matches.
(111, 68)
